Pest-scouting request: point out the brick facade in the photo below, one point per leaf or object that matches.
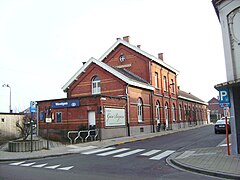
(128, 78)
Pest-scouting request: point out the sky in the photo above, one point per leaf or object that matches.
(43, 43)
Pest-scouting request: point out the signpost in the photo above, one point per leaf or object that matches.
(224, 103)
(33, 109)
(48, 120)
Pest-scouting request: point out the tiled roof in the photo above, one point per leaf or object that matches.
(131, 75)
(190, 97)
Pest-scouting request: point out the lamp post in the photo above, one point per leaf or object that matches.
(6, 85)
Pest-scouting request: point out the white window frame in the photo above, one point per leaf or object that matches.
(156, 80)
(140, 110)
(157, 111)
(173, 113)
(96, 85)
(166, 115)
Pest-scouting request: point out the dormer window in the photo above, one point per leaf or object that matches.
(96, 86)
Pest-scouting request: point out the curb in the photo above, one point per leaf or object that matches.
(203, 171)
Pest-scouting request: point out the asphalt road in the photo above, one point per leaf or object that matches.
(144, 159)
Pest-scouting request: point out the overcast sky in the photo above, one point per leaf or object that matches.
(44, 42)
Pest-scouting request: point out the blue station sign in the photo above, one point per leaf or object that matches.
(66, 104)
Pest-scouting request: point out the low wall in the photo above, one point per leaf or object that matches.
(25, 146)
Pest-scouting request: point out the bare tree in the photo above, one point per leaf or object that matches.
(25, 126)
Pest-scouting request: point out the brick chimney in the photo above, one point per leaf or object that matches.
(126, 38)
(160, 56)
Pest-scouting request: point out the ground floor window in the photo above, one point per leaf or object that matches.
(140, 110)
(58, 117)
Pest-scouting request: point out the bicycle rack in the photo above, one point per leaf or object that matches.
(79, 135)
(89, 134)
(94, 136)
(72, 132)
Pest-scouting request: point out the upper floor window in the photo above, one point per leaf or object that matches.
(165, 83)
(172, 86)
(96, 88)
(156, 80)
(140, 110)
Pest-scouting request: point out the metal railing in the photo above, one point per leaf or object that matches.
(92, 134)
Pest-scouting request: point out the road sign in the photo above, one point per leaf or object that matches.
(224, 98)
(33, 106)
(48, 120)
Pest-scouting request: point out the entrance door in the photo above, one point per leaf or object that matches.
(91, 120)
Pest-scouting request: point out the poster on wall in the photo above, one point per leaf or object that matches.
(114, 117)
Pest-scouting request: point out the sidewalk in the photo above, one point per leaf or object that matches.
(211, 161)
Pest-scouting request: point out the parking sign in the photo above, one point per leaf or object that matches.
(224, 98)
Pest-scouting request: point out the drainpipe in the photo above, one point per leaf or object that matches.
(128, 110)
(152, 113)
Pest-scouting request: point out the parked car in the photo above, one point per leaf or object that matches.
(220, 126)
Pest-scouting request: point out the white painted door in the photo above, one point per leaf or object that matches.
(91, 118)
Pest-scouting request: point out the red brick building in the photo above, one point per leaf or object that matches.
(216, 112)
(125, 92)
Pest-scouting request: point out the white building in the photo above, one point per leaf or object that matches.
(228, 12)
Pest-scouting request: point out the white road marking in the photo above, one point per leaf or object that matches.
(223, 145)
(28, 164)
(17, 163)
(52, 167)
(149, 153)
(185, 154)
(79, 149)
(65, 168)
(113, 152)
(129, 153)
(98, 150)
(162, 155)
(40, 165)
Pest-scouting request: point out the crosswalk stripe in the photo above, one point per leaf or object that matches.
(149, 153)
(17, 163)
(79, 149)
(113, 152)
(65, 168)
(129, 153)
(162, 155)
(98, 150)
(40, 165)
(53, 167)
(28, 164)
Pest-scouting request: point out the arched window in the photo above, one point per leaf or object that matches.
(140, 110)
(158, 111)
(164, 83)
(96, 88)
(180, 112)
(166, 114)
(185, 113)
(173, 113)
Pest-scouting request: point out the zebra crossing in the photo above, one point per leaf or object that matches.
(154, 154)
(43, 165)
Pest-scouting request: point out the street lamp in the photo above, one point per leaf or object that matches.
(6, 85)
